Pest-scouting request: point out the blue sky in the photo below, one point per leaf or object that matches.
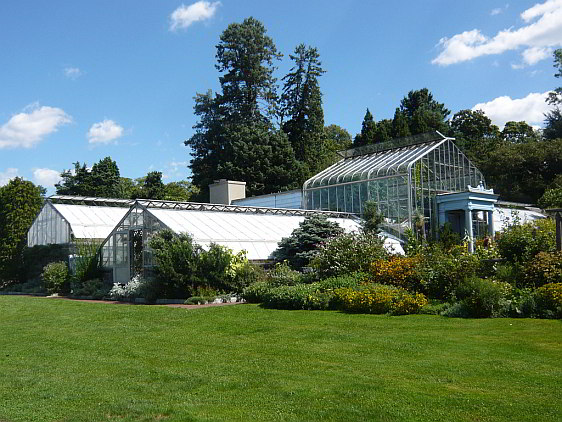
(83, 80)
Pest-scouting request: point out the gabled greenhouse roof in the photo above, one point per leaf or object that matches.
(90, 222)
(257, 233)
(378, 161)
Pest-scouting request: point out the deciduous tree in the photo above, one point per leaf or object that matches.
(20, 202)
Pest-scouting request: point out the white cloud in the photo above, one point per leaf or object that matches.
(496, 11)
(504, 109)
(184, 15)
(28, 128)
(72, 72)
(104, 132)
(534, 55)
(6, 176)
(537, 37)
(46, 177)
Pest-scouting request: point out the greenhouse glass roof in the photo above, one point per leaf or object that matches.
(371, 163)
(258, 234)
(91, 222)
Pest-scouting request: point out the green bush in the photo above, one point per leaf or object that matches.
(483, 298)
(523, 304)
(282, 275)
(196, 300)
(300, 247)
(346, 280)
(300, 296)
(86, 261)
(177, 265)
(549, 300)
(214, 268)
(90, 288)
(521, 242)
(55, 277)
(544, 268)
(379, 299)
(348, 253)
(256, 292)
(316, 295)
(442, 270)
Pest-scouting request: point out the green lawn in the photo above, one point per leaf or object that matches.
(75, 361)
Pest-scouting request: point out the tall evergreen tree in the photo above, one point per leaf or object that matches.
(302, 106)
(423, 113)
(235, 137)
(245, 57)
(553, 119)
(400, 127)
(368, 131)
(102, 180)
(383, 132)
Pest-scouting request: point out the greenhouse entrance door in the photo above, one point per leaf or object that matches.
(122, 267)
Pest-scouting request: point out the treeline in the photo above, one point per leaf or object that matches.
(103, 180)
(273, 136)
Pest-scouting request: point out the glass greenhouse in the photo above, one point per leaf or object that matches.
(257, 230)
(402, 176)
(66, 219)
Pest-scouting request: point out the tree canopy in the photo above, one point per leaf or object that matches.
(236, 137)
(101, 181)
(553, 119)
(302, 106)
(20, 202)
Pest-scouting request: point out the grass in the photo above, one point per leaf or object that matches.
(75, 361)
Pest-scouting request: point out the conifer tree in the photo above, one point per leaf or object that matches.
(235, 137)
(368, 131)
(302, 106)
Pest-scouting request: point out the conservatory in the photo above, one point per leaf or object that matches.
(256, 230)
(403, 176)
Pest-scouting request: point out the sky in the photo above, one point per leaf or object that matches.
(83, 80)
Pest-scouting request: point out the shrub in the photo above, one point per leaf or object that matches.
(282, 275)
(318, 295)
(300, 247)
(177, 264)
(441, 270)
(300, 296)
(255, 292)
(348, 253)
(90, 288)
(379, 299)
(521, 242)
(398, 271)
(196, 300)
(347, 280)
(522, 304)
(544, 268)
(549, 300)
(85, 263)
(55, 277)
(132, 290)
(482, 298)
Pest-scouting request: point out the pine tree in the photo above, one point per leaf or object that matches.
(399, 125)
(423, 113)
(368, 131)
(235, 138)
(302, 106)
